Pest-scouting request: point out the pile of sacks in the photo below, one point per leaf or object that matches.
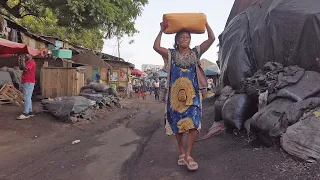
(76, 108)
(277, 102)
(102, 94)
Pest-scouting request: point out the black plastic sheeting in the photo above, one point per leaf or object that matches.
(273, 120)
(284, 31)
(237, 109)
(226, 93)
(64, 107)
(238, 7)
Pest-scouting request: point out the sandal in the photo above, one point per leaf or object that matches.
(181, 160)
(191, 164)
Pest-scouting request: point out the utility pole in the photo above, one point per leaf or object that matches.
(119, 41)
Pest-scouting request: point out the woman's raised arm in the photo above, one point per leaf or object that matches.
(206, 44)
(157, 44)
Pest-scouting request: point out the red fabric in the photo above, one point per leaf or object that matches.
(5, 55)
(136, 72)
(9, 47)
(30, 75)
(139, 94)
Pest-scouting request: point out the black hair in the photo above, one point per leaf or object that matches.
(176, 45)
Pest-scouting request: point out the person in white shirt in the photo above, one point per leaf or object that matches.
(129, 90)
(156, 86)
(151, 87)
(209, 81)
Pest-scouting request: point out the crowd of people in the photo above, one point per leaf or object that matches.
(156, 87)
(144, 88)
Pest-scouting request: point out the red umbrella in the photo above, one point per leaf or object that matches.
(136, 72)
(9, 47)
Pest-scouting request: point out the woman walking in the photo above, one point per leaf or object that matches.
(184, 98)
(144, 90)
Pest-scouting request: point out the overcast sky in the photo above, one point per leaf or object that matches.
(141, 52)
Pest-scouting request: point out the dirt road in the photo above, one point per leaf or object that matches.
(41, 148)
(130, 143)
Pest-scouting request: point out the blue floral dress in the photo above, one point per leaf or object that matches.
(184, 100)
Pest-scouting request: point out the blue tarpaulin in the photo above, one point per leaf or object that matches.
(159, 74)
(212, 70)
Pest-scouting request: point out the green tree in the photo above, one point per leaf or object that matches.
(48, 26)
(115, 17)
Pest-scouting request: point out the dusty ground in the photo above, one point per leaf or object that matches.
(130, 143)
(225, 157)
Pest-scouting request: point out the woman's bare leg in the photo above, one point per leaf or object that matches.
(191, 164)
(191, 139)
(180, 143)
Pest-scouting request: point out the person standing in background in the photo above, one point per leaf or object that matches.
(156, 87)
(98, 77)
(129, 90)
(138, 86)
(209, 81)
(151, 87)
(144, 90)
(28, 80)
(165, 90)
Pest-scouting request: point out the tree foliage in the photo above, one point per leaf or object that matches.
(115, 17)
(48, 26)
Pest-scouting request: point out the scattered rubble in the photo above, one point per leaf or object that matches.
(65, 107)
(81, 109)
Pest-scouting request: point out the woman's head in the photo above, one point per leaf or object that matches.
(182, 39)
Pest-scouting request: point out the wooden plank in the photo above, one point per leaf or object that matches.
(3, 100)
(59, 67)
(59, 87)
(70, 83)
(41, 80)
(9, 94)
(81, 82)
(48, 82)
(89, 71)
(75, 82)
(61, 90)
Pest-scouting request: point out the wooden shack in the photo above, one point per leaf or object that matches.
(121, 71)
(61, 81)
(94, 66)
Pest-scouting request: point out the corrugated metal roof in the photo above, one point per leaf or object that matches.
(91, 59)
(20, 28)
